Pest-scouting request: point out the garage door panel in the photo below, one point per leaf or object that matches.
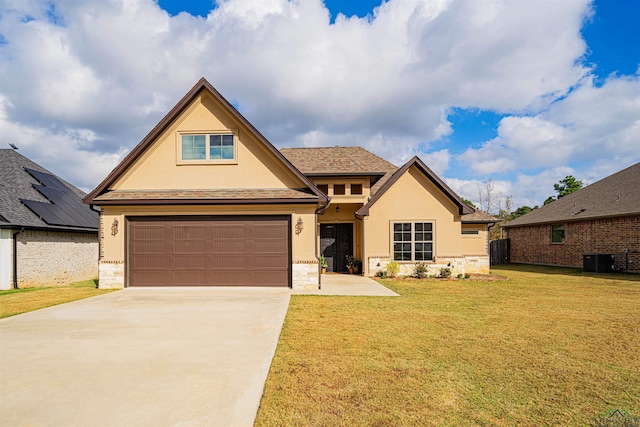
(270, 246)
(152, 278)
(198, 262)
(190, 278)
(268, 262)
(229, 246)
(209, 251)
(146, 262)
(230, 261)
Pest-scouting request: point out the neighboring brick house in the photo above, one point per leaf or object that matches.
(602, 218)
(207, 200)
(47, 235)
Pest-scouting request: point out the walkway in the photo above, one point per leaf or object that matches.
(348, 284)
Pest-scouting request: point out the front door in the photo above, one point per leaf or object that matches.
(336, 242)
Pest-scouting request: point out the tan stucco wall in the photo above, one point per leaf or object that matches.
(158, 168)
(346, 181)
(473, 244)
(413, 198)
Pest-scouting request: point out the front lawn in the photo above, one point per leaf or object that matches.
(547, 347)
(16, 301)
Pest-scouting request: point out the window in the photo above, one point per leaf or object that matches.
(356, 189)
(338, 189)
(474, 232)
(324, 188)
(557, 233)
(205, 147)
(413, 241)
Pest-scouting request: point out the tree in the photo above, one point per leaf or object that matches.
(567, 186)
(469, 202)
(487, 198)
(520, 211)
(564, 187)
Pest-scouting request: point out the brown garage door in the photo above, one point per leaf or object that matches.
(209, 251)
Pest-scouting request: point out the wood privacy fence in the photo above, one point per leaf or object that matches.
(499, 251)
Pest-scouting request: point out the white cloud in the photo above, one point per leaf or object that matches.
(591, 124)
(93, 77)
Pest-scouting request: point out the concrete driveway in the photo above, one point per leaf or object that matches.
(141, 357)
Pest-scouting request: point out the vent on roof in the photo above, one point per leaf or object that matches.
(66, 209)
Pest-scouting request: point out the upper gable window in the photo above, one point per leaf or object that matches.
(215, 148)
(338, 189)
(356, 189)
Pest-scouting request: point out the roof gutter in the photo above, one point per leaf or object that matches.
(15, 257)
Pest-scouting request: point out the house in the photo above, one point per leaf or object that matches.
(47, 235)
(602, 218)
(205, 199)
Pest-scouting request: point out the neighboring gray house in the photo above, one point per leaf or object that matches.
(47, 235)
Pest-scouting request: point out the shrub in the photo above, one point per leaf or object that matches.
(421, 270)
(382, 274)
(467, 275)
(445, 272)
(460, 276)
(393, 268)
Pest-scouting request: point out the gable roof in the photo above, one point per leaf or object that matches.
(463, 208)
(615, 195)
(202, 85)
(32, 197)
(341, 161)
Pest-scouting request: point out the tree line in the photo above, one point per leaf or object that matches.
(500, 206)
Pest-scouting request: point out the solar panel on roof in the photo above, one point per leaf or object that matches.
(65, 209)
(44, 213)
(46, 179)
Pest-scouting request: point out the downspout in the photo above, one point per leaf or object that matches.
(99, 211)
(320, 210)
(365, 271)
(15, 257)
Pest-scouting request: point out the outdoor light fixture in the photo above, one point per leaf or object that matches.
(114, 227)
(337, 208)
(299, 225)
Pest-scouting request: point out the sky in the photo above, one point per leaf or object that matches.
(521, 93)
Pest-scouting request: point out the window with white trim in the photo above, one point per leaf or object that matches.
(207, 147)
(413, 241)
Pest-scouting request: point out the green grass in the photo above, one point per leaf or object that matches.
(17, 301)
(547, 347)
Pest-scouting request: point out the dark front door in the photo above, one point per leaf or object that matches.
(336, 242)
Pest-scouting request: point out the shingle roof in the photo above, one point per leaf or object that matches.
(203, 86)
(17, 184)
(479, 217)
(217, 196)
(323, 161)
(615, 195)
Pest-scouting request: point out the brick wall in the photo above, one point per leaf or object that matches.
(56, 258)
(532, 244)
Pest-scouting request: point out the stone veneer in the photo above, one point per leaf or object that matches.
(466, 264)
(111, 275)
(305, 274)
(532, 244)
(48, 258)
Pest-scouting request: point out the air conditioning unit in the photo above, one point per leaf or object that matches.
(598, 263)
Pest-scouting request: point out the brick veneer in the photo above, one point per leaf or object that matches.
(532, 244)
(56, 258)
